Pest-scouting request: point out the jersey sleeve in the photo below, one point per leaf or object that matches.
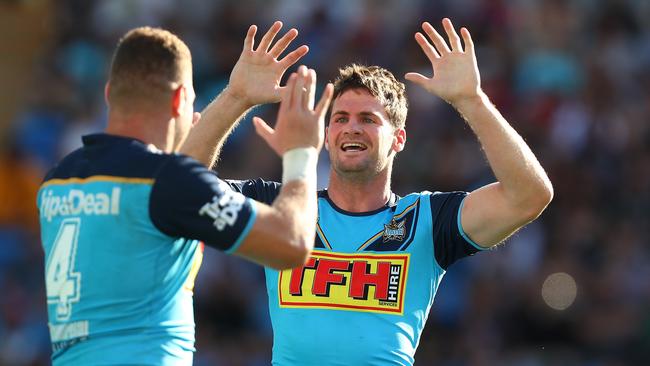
(188, 200)
(257, 189)
(449, 240)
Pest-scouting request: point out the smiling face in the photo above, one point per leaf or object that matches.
(361, 140)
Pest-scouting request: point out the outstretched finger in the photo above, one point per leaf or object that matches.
(250, 38)
(287, 93)
(268, 37)
(428, 49)
(283, 43)
(454, 40)
(307, 95)
(299, 90)
(263, 129)
(416, 78)
(436, 38)
(293, 56)
(467, 39)
(324, 102)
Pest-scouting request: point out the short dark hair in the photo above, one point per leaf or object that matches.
(379, 82)
(147, 63)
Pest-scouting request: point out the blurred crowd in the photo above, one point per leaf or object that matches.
(572, 76)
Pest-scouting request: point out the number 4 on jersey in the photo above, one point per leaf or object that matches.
(62, 282)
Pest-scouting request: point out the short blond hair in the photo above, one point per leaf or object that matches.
(147, 63)
(379, 82)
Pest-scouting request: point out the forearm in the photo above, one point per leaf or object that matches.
(218, 120)
(296, 203)
(297, 198)
(283, 234)
(522, 178)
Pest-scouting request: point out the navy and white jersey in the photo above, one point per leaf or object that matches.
(364, 295)
(121, 227)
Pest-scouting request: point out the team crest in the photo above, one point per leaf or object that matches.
(394, 230)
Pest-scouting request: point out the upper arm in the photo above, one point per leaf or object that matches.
(450, 242)
(188, 200)
(489, 218)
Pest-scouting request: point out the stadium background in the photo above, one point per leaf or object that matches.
(571, 76)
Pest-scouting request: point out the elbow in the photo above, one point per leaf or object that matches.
(296, 254)
(545, 194)
(538, 201)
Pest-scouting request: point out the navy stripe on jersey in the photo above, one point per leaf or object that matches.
(449, 242)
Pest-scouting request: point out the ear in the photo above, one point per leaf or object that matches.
(399, 140)
(178, 100)
(107, 90)
(327, 144)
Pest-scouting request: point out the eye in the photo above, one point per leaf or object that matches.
(368, 120)
(340, 119)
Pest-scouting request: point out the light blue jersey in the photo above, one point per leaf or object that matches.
(119, 271)
(364, 296)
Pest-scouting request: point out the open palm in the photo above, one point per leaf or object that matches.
(257, 74)
(455, 71)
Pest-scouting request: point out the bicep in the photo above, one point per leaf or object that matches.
(488, 218)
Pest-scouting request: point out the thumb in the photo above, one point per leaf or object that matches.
(263, 129)
(416, 78)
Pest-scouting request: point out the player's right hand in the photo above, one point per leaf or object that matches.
(256, 77)
(299, 123)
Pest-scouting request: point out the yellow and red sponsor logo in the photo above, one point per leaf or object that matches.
(358, 282)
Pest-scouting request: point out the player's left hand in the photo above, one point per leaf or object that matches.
(256, 77)
(455, 71)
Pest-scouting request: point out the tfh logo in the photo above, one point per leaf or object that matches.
(364, 281)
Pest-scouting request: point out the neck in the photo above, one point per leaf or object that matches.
(147, 128)
(355, 195)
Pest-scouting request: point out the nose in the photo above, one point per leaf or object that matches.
(353, 127)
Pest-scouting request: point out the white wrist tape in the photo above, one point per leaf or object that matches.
(299, 163)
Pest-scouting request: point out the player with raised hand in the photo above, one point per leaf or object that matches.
(493, 212)
(123, 216)
(379, 258)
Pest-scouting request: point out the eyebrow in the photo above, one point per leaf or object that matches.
(364, 113)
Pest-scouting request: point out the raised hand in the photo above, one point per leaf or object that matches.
(299, 124)
(455, 71)
(255, 79)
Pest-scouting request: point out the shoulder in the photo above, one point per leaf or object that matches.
(441, 199)
(104, 155)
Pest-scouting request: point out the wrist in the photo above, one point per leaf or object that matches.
(235, 98)
(470, 101)
(299, 163)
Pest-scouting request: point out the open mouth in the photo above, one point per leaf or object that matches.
(353, 146)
